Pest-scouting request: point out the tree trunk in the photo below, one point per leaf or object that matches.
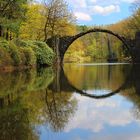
(57, 50)
(7, 34)
(1, 31)
(45, 32)
(109, 46)
(10, 35)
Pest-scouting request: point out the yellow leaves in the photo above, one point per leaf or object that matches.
(32, 28)
(125, 27)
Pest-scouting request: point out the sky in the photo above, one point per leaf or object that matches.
(105, 119)
(100, 12)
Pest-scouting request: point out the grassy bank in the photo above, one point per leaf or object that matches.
(19, 53)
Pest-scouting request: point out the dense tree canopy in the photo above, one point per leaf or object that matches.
(12, 14)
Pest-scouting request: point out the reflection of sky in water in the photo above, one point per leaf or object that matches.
(97, 92)
(106, 119)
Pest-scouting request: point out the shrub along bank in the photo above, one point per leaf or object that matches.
(25, 53)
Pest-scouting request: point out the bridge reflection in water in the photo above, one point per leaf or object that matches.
(48, 98)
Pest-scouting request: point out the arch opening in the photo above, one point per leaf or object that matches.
(120, 38)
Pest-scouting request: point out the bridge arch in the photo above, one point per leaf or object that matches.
(69, 40)
(121, 38)
(66, 41)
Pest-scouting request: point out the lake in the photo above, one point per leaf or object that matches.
(89, 101)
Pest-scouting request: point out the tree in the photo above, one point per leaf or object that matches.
(59, 108)
(91, 49)
(57, 17)
(12, 13)
(135, 20)
(33, 27)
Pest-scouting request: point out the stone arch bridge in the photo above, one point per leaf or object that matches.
(63, 43)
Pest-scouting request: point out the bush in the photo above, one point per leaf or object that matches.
(5, 59)
(12, 50)
(20, 52)
(29, 56)
(44, 54)
(5, 44)
(15, 54)
(22, 43)
(22, 57)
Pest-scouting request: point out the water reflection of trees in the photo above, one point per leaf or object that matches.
(108, 77)
(18, 111)
(124, 79)
(132, 91)
(16, 83)
(32, 98)
(26, 103)
(14, 123)
(59, 108)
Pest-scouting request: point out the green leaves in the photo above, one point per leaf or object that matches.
(12, 14)
(44, 55)
(25, 53)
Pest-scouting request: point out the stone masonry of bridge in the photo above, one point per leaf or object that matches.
(63, 43)
(136, 48)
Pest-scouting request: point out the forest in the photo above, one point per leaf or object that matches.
(25, 25)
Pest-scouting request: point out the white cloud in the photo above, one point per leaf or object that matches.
(83, 16)
(86, 14)
(78, 3)
(100, 7)
(86, 3)
(93, 115)
(105, 10)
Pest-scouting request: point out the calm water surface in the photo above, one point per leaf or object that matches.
(78, 102)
